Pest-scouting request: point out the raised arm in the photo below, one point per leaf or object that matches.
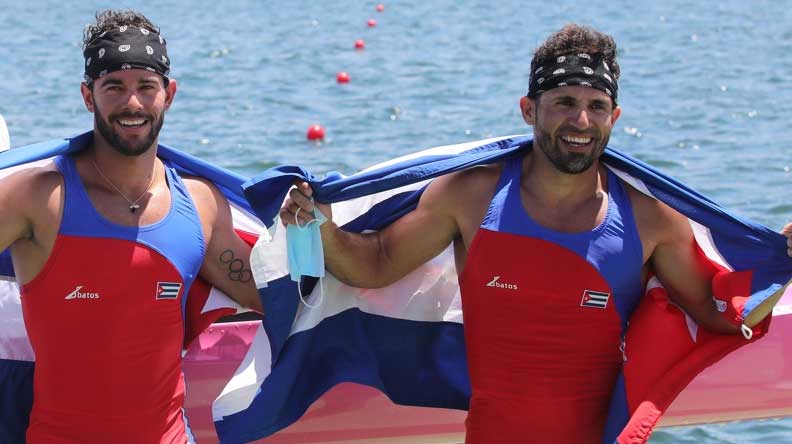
(668, 240)
(227, 260)
(377, 259)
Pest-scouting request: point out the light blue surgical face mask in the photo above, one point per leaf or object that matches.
(305, 252)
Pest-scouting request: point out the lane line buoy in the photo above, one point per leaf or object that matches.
(315, 132)
(343, 77)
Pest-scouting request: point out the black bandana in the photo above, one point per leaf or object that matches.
(579, 69)
(127, 47)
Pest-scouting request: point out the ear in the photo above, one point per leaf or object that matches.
(528, 109)
(87, 95)
(615, 115)
(170, 93)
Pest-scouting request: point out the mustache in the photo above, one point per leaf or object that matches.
(576, 132)
(131, 116)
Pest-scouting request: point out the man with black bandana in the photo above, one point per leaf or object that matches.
(531, 235)
(105, 245)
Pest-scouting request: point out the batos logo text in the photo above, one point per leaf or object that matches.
(494, 283)
(77, 294)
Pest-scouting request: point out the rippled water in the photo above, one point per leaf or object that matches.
(705, 90)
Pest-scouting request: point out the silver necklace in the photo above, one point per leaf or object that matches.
(133, 205)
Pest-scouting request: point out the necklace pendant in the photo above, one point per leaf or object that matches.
(133, 208)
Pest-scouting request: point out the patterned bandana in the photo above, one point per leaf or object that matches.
(574, 69)
(127, 47)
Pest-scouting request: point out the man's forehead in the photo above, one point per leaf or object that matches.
(577, 92)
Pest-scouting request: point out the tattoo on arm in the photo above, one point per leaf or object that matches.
(236, 267)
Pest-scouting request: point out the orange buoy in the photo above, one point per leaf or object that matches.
(372, 23)
(342, 77)
(315, 132)
(360, 44)
(380, 7)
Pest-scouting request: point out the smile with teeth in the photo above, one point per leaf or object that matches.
(576, 140)
(131, 122)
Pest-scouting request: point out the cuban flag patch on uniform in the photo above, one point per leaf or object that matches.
(168, 290)
(594, 299)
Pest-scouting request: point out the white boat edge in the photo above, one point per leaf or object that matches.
(5, 139)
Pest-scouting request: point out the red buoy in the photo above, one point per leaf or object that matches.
(380, 7)
(372, 23)
(315, 132)
(360, 44)
(342, 77)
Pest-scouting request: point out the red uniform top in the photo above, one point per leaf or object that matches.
(105, 318)
(545, 313)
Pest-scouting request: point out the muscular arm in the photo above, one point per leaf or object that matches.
(377, 259)
(30, 204)
(227, 260)
(674, 258)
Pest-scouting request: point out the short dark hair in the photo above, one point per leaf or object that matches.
(576, 38)
(111, 18)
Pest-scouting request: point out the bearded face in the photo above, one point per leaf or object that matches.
(573, 126)
(119, 139)
(129, 109)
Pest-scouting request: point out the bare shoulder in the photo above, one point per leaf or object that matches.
(204, 193)
(211, 204)
(463, 197)
(31, 200)
(467, 188)
(32, 186)
(655, 218)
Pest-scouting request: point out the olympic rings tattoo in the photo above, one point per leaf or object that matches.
(236, 267)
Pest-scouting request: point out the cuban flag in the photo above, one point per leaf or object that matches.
(595, 299)
(168, 290)
(407, 339)
(203, 305)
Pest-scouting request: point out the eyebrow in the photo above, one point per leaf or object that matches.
(145, 81)
(112, 82)
(149, 80)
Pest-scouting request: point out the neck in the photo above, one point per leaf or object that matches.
(557, 189)
(131, 174)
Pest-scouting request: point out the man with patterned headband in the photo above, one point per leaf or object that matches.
(105, 244)
(531, 235)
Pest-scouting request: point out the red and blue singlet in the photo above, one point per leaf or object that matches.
(545, 313)
(105, 317)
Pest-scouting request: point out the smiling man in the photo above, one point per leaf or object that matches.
(553, 237)
(105, 245)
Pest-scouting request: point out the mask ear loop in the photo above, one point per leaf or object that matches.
(299, 284)
(297, 220)
(321, 295)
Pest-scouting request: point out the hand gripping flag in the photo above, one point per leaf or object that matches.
(204, 303)
(406, 339)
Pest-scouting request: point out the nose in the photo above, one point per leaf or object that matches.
(133, 102)
(581, 118)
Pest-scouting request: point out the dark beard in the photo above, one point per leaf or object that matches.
(117, 143)
(572, 163)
